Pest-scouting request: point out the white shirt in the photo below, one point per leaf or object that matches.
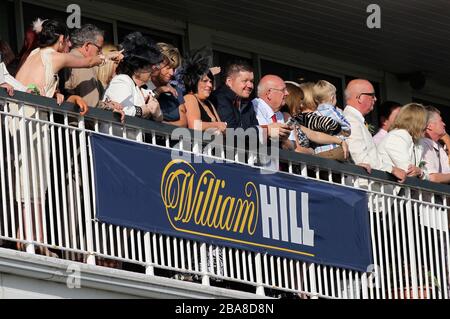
(398, 149)
(379, 136)
(5, 77)
(435, 157)
(360, 143)
(264, 114)
(123, 90)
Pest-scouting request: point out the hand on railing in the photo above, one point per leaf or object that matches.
(114, 107)
(59, 98)
(77, 100)
(278, 130)
(366, 167)
(399, 173)
(118, 108)
(8, 88)
(414, 171)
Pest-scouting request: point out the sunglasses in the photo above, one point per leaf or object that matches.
(373, 95)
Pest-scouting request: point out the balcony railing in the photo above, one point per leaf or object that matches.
(48, 201)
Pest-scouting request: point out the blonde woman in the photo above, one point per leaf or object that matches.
(169, 97)
(107, 71)
(401, 147)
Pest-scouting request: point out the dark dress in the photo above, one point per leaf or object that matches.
(203, 114)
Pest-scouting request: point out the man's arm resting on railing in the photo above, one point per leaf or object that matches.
(440, 178)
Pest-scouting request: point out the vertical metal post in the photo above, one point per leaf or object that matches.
(28, 222)
(87, 194)
(411, 244)
(204, 263)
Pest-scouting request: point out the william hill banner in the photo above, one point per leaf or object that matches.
(142, 187)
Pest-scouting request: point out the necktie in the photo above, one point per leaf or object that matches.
(274, 118)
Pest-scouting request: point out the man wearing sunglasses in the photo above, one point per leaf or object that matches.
(87, 42)
(360, 96)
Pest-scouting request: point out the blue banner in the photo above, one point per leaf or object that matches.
(143, 187)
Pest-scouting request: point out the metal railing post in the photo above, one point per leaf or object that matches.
(87, 195)
(149, 269)
(204, 263)
(411, 244)
(259, 276)
(28, 220)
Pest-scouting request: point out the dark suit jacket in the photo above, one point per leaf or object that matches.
(224, 99)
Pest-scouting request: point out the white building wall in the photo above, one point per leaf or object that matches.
(27, 276)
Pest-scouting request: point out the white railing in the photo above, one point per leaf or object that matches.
(48, 201)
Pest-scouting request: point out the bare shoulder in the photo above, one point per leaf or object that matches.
(190, 100)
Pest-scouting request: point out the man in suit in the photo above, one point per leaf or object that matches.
(232, 101)
(361, 98)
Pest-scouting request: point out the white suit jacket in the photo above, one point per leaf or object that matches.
(360, 143)
(398, 149)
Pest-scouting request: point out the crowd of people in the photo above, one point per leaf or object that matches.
(141, 78)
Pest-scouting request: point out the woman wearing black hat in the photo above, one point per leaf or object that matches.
(141, 59)
(199, 83)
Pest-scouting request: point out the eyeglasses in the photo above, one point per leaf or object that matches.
(97, 46)
(284, 90)
(372, 95)
(159, 66)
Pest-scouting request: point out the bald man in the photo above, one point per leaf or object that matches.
(361, 98)
(272, 94)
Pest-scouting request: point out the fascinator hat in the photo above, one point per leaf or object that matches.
(197, 64)
(37, 25)
(139, 51)
(48, 31)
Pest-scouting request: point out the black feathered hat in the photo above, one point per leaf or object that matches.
(195, 66)
(139, 51)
